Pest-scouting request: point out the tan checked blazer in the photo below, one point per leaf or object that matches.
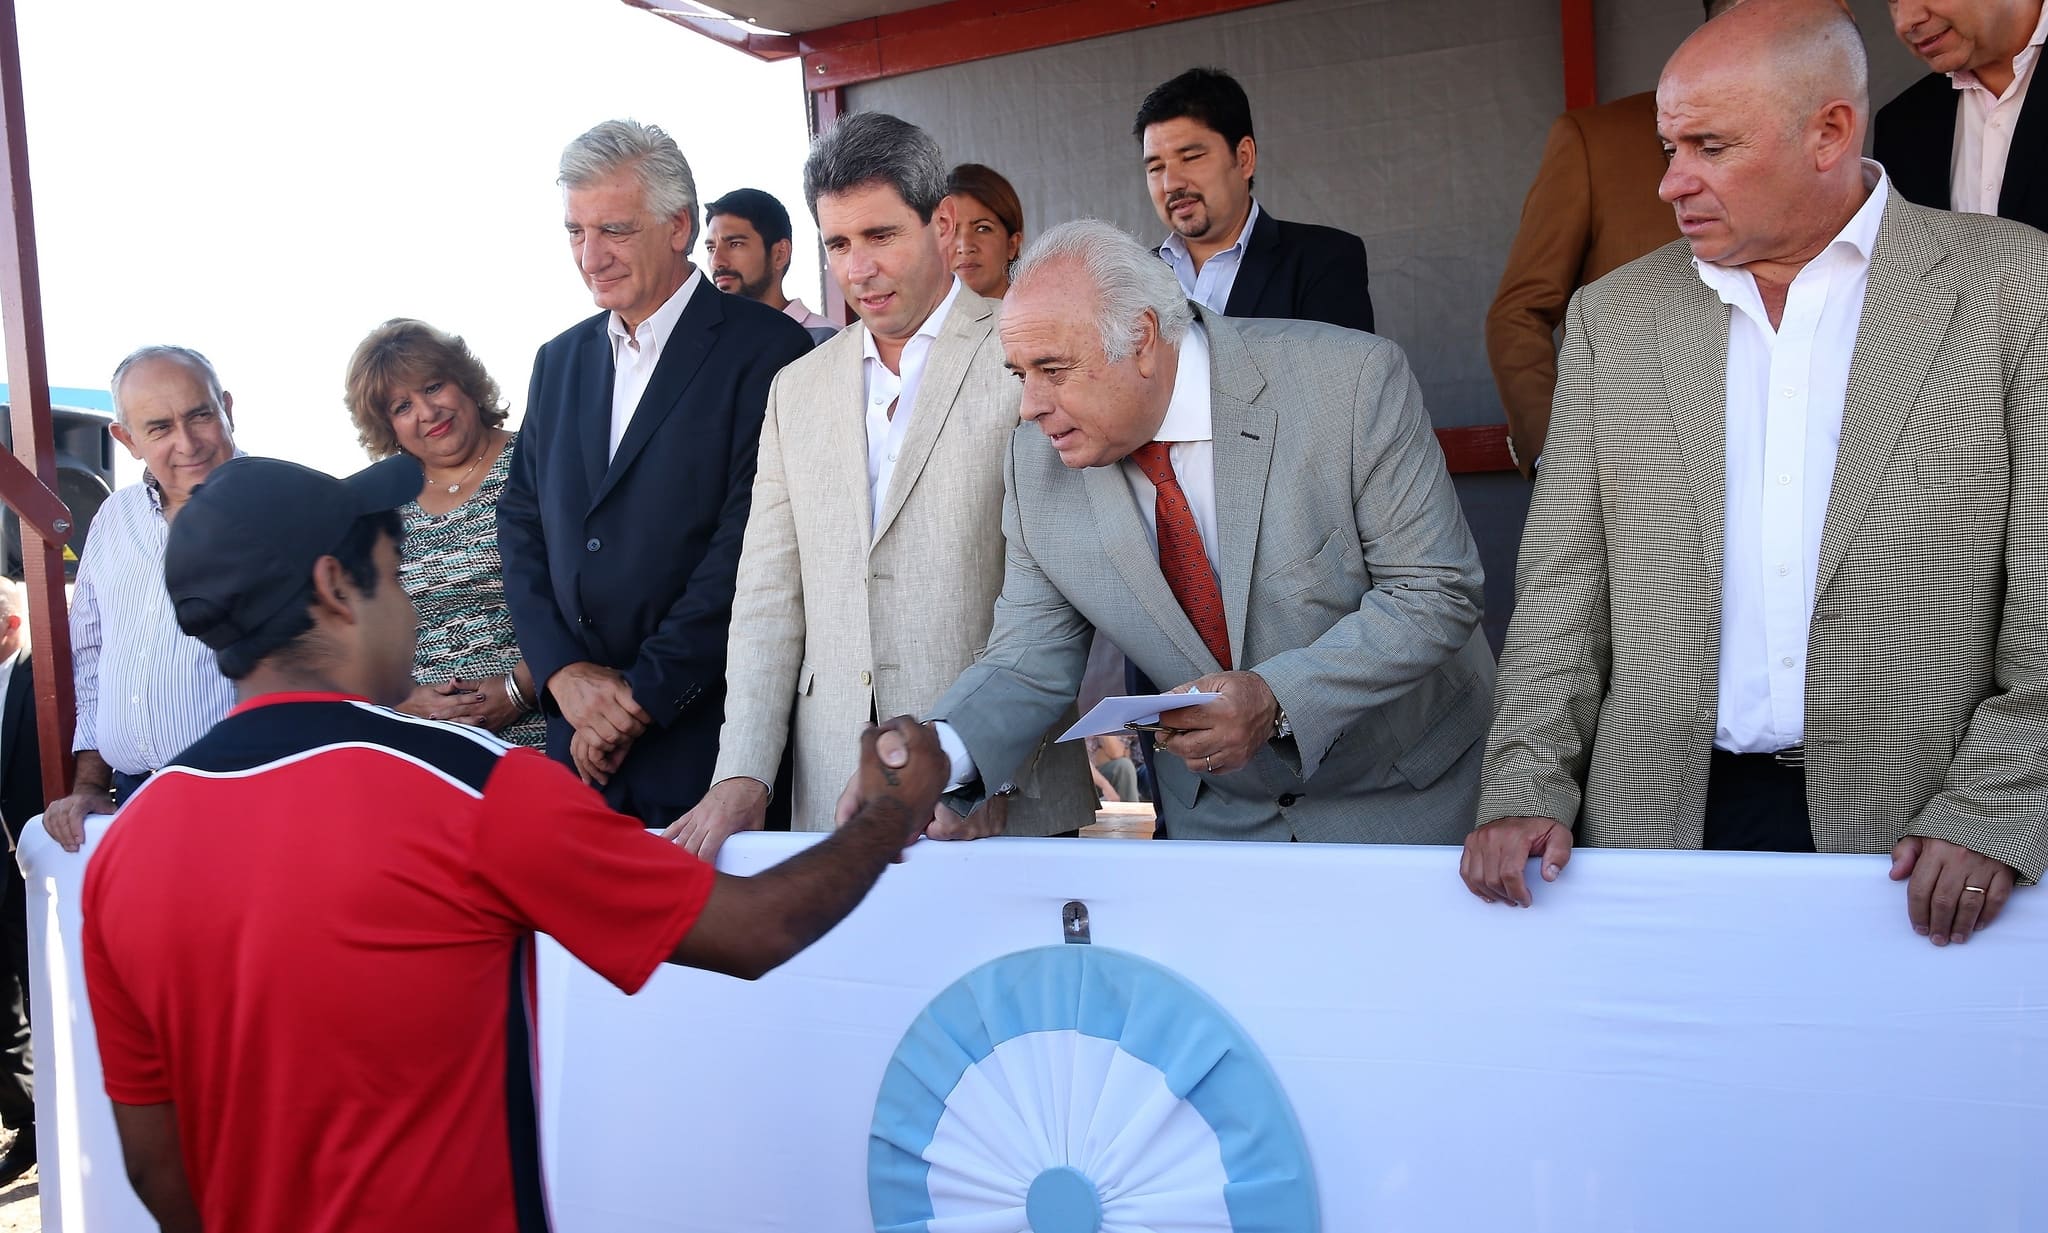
(848, 625)
(1928, 652)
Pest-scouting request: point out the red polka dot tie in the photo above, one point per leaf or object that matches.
(1181, 558)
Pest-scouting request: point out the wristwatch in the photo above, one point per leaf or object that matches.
(1280, 725)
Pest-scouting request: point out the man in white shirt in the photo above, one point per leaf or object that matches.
(1963, 137)
(874, 552)
(145, 690)
(1785, 580)
(747, 242)
(620, 523)
(1252, 508)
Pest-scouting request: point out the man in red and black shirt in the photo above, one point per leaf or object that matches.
(308, 940)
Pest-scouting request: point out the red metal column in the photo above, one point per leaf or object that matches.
(827, 105)
(1581, 61)
(45, 523)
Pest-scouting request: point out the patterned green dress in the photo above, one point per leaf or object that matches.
(451, 569)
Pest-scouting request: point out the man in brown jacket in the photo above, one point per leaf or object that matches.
(1592, 209)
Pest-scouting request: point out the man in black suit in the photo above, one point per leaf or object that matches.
(1229, 254)
(620, 524)
(21, 798)
(1968, 136)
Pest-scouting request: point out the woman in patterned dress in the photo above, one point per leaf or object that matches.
(415, 389)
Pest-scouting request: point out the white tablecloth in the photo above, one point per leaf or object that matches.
(1668, 1041)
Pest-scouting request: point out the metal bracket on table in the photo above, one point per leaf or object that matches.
(1074, 922)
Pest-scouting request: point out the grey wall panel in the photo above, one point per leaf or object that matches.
(1635, 37)
(1416, 125)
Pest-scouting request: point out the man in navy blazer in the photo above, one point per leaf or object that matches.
(1230, 255)
(21, 799)
(1974, 114)
(620, 524)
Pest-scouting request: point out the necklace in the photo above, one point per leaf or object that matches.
(457, 485)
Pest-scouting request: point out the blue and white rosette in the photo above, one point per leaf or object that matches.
(1077, 1089)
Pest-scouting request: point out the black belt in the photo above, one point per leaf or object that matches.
(1792, 757)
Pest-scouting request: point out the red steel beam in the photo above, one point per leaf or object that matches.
(960, 31)
(1581, 63)
(826, 108)
(45, 523)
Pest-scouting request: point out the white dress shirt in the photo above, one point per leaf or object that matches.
(145, 690)
(804, 317)
(1784, 423)
(636, 352)
(1984, 128)
(1192, 448)
(884, 388)
(1210, 286)
(1189, 428)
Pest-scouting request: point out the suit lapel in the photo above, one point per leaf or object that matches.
(1692, 339)
(1255, 267)
(945, 369)
(843, 421)
(1905, 318)
(1242, 445)
(594, 402)
(681, 356)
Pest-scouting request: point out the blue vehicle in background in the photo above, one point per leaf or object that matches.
(85, 467)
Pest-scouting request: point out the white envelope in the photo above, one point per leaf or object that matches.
(1111, 714)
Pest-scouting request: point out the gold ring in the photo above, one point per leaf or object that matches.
(1978, 889)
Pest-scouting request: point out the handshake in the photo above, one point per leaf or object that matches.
(901, 766)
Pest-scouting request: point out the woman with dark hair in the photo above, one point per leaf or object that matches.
(990, 228)
(414, 389)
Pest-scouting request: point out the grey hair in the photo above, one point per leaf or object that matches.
(872, 147)
(1128, 278)
(667, 187)
(162, 351)
(13, 599)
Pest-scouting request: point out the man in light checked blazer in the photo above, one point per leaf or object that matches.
(1785, 579)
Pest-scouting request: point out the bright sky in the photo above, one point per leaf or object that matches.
(266, 180)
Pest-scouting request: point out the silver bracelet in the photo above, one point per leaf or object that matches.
(512, 694)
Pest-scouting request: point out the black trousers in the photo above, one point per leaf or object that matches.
(17, 1063)
(1756, 804)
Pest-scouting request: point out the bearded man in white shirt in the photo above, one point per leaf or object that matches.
(145, 689)
(1785, 580)
(874, 549)
(1964, 137)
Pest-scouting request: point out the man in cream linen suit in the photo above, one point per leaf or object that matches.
(1785, 580)
(1252, 507)
(875, 548)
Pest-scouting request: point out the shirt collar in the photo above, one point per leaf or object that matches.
(930, 328)
(654, 331)
(1187, 412)
(1176, 247)
(1857, 240)
(1965, 79)
(796, 311)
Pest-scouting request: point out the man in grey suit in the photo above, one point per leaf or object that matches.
(1785, 580)
(1254, 508)
(874, 549)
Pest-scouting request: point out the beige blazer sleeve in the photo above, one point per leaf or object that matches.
(764, 647)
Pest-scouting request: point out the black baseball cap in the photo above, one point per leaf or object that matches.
(241, 552)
